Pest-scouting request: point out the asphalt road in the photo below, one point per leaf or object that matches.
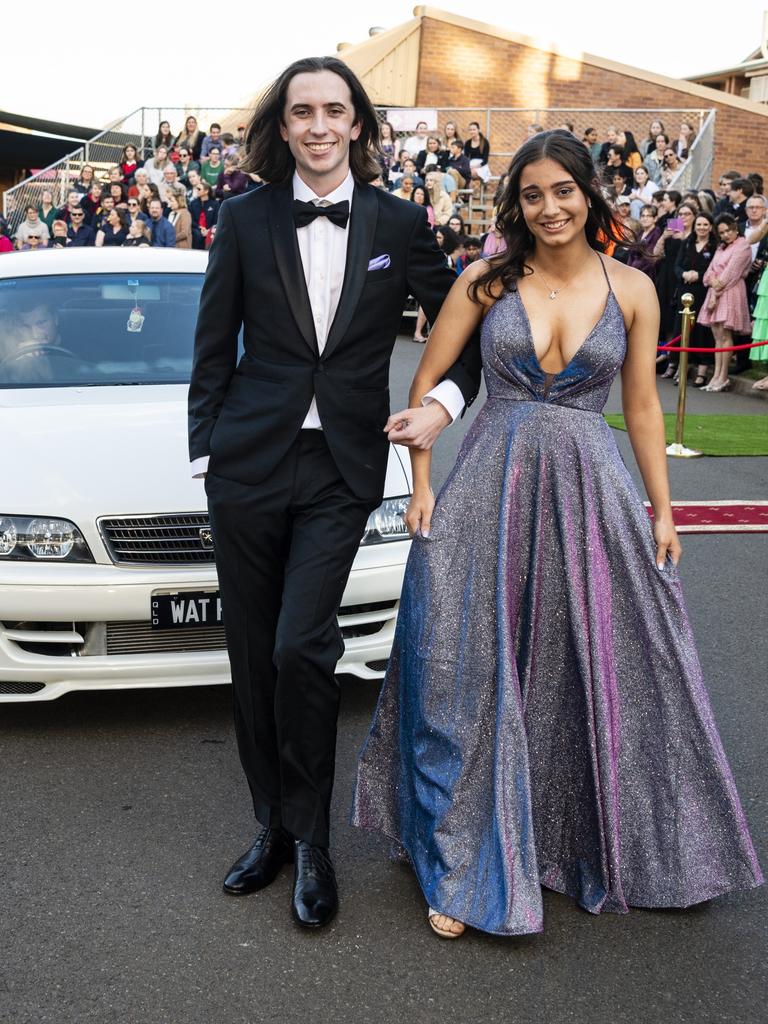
(120, 813)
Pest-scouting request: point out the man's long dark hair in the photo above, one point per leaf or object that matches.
(600, 229)
(268, 155)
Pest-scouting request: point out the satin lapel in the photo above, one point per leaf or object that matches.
(289, 265)
(362, 227)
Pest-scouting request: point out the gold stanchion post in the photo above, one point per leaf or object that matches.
(677, 449)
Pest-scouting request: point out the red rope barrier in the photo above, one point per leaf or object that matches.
(670, 346)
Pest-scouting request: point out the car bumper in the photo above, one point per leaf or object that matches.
(83, 627)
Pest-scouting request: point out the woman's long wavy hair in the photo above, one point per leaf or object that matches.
(268, 155)
(601, 229)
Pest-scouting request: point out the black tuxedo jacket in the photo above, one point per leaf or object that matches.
(246, 416)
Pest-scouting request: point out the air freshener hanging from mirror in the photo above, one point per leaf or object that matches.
(135, 320)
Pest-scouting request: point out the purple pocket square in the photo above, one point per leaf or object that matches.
(379, 262)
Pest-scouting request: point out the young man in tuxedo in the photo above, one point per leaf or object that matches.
(315, 267)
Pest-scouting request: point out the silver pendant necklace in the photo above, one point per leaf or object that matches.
(553, 292)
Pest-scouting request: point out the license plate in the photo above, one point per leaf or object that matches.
(185, 610)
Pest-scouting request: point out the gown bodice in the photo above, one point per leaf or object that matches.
(512, 370)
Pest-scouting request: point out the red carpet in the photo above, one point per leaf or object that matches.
(720, 516)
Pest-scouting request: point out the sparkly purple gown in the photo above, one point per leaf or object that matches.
(544, 720)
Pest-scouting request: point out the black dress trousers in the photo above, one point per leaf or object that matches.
(284, 548)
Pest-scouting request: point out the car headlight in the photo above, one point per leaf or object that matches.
(387, 522)
(40, 538)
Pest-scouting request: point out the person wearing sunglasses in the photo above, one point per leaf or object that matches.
(74, 201)
(672, 164)
(79, 233)
(185, 164)
(135, 212)
(32, 225)
(33, 243)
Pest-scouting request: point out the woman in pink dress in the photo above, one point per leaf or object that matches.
(725, 307)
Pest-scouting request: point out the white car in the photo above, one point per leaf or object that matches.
(107, 578)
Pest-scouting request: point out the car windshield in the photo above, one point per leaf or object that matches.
(90, 329)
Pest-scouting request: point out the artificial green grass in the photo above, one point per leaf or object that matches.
(714, 435)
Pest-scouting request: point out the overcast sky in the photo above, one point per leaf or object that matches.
(89, 65)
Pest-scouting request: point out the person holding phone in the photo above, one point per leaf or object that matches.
(693, 260)
(675, 231)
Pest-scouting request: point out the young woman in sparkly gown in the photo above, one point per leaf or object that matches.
(544, 720)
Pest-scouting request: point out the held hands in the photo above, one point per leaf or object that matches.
(419, 514)
(418, 428)
(667, 541)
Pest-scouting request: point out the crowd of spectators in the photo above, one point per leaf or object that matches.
(713, 244)
(437, 170)
(409, 161)
(167, 197)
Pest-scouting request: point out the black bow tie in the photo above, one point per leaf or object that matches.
(305, 213)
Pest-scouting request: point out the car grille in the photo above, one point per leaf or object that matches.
(365, 619)
(20, 688)
(140, 638)
(150, 540)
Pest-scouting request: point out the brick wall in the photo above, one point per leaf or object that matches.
(465, 68)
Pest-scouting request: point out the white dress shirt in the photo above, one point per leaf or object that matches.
(323, 250)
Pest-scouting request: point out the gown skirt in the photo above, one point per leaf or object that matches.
(543, 720)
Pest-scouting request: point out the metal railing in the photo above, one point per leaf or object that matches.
(506, 128)
(696, 172)
(104, 150)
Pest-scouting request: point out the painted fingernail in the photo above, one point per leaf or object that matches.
(660, 566)
(425, 533)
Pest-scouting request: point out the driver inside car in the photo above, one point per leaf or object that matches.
(34, 341)
(39, 329)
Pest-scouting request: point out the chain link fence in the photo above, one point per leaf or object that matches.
(696, 172)
(507, 128)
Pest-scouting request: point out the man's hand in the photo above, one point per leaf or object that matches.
(418, 428)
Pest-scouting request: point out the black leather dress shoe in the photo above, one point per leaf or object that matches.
(260, 866)
(315, 897)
